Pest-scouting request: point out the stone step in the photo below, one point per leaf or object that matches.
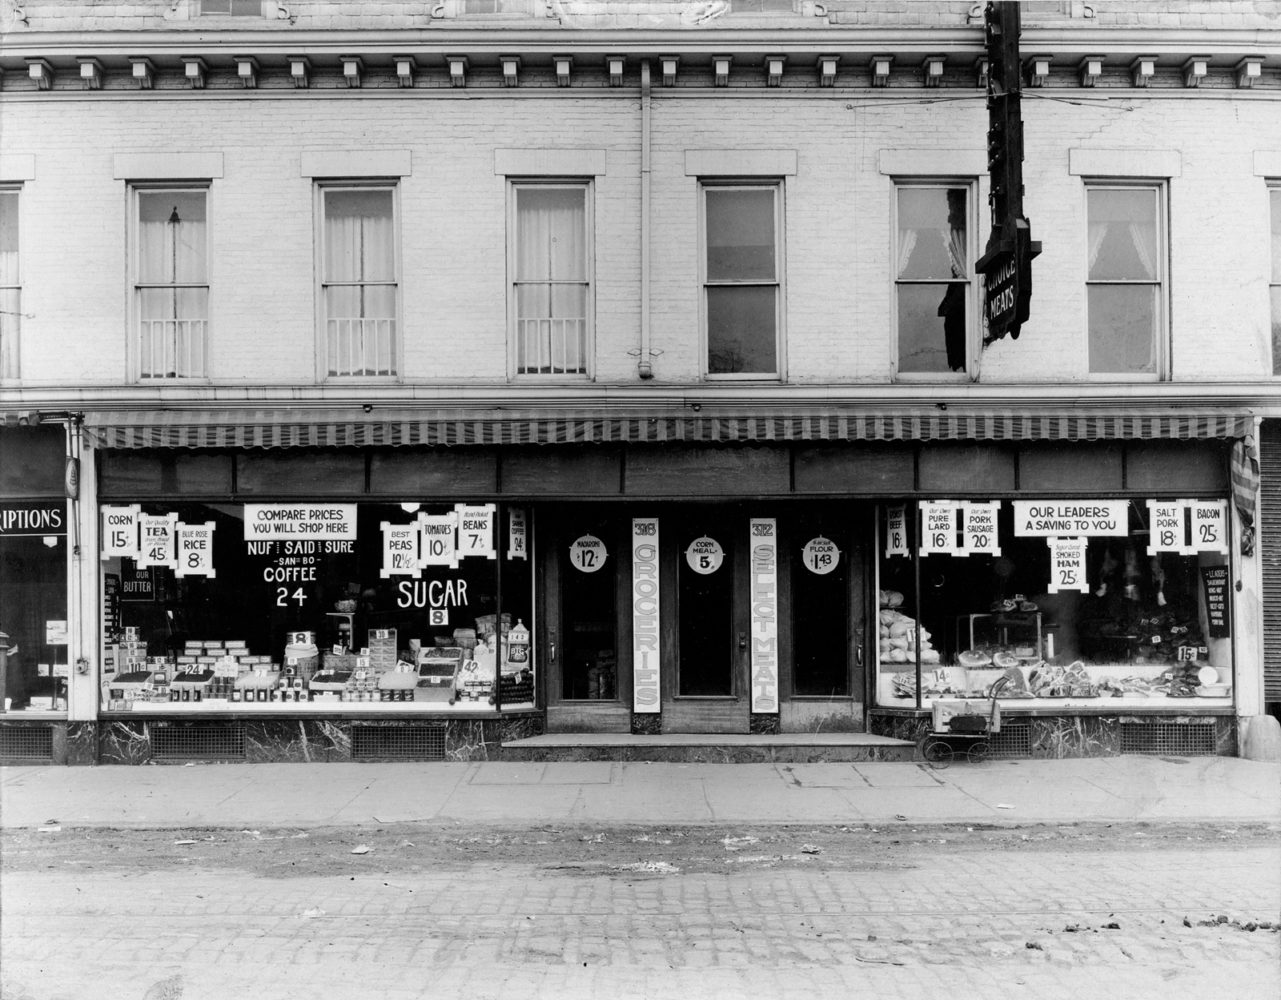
(717, 748)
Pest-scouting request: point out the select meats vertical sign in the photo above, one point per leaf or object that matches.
(646, 633)
(763, 541)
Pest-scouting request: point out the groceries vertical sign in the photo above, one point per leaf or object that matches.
(646, 634)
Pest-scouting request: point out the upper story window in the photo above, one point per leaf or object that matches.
(762, 6)
(742, 283)
(933, 279)
(171, 282)
(1275, 285)
(10, 284)
(551, 279)
(238, 8)
(360, 291)
(1125, 278)
(493, 6)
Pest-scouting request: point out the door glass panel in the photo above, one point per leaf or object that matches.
(706, 623)
(589, 665)
(820, 606)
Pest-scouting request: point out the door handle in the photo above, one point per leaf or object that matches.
(858, 655)
(551, 646)
(742, 642)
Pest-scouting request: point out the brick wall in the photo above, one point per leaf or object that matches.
(453, 224)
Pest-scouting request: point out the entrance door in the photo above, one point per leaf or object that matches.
(707, 690)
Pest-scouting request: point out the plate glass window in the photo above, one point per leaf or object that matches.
(551, 289)
(1125, 275)
(741, 280)
(172, 283)
(933, 279)
(1275, 287)
(10, 285)
(359, 285)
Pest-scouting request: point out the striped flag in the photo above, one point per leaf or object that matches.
(1244, 472)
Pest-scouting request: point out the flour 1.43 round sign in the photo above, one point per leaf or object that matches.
(820, 555)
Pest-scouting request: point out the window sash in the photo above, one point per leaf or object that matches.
(171, 282)
(1125, 279)
(359, 287)
(934, 278)
(551, 288)
(10, 284)
(742, 284)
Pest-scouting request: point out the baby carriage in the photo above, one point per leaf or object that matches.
(967, 735)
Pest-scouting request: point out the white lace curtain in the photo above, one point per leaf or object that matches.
(172, 244)
(358, 236)
(1120, 214)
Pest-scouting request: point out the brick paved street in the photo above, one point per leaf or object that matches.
(627, 912)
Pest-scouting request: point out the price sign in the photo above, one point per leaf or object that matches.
(156, 535)
(1067, 564)
(120, 532)
(517, 538)
(588, 554)
(400, 549)
(704, 555)
(1167, 522)
(979, 529)
(938, 527)
(820, 555)
(439, 546)
(195, 549)
(1214, 581)
(1210, 526)
(896, 531)
(476, 530)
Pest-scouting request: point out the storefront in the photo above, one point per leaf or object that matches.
(494, 578)
(35, 648)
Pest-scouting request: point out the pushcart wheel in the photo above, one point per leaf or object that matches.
(936, 752)
(978, 752)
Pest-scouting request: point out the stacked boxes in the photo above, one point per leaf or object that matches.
(382, 649)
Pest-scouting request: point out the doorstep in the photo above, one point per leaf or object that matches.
(721, 748)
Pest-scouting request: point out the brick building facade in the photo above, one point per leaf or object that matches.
(617, 281)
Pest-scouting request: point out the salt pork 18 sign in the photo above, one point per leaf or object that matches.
(764, 545)
(645, 626)
(1054, 518)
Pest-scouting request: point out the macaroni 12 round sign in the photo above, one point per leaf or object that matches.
(588, 553)
(820, 555)
(705, 555)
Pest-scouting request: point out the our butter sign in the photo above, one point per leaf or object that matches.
(1060, 518)
(290, 521)
(195, 549)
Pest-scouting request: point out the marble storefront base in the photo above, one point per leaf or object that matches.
(309, 741)
(1063, 736)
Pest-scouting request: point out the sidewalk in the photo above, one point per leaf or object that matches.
(1113, 789)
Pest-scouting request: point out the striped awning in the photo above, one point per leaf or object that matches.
(298, 427)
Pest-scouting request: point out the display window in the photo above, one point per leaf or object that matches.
(33, 605)
(1075, 602)
(382, 607)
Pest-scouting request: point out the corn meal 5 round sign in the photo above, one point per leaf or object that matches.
(820, 555)
(588, 553)
(705, 555)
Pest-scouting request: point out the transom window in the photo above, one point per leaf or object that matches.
(10, 284)
(359, 286)
(933, 279)
(551, 279)
(742, 288)
(1125, 279)
(238, 8)
(171, 283)
(762, 6)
